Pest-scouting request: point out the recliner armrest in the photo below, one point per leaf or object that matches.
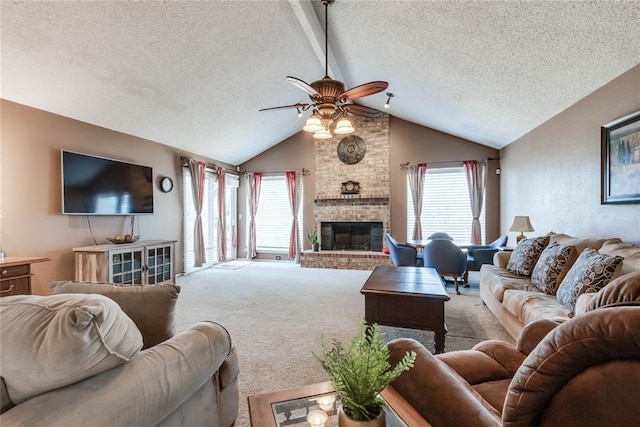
(533, 333)
(440, 395)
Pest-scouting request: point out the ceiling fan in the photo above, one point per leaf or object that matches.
(330, 100)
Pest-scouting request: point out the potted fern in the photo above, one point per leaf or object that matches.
(312, 236)
(360, 372)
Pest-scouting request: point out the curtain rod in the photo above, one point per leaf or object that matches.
(405, 165)
(211, 166)
(305, 172)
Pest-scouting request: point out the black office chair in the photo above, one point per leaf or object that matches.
(447, 258)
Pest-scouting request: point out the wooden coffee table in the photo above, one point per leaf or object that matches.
(290, 407)
(407, 297)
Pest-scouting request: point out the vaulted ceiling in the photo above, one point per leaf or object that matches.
(193, 75)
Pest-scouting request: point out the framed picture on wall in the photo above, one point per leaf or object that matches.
(621, 160)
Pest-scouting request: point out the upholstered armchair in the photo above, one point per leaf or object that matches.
(403, 255)
(446, 257)
(440, 235)
(477, 255)
(583, 372)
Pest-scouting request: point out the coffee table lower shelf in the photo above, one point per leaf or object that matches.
(289, 408)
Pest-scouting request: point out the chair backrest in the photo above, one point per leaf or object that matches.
(440, 235)
(500, 241)
(401, 255)
(445, 256)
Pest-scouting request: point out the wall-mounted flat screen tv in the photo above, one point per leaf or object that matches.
(94, 185)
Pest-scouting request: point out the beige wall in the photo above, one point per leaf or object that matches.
(30, 184)
(409, 142)
(553, 173)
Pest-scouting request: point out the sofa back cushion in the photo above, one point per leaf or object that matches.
(53, 341)
(631, 255)
(526, 254)
(151, 307)
(553, 264)
(580, 244)
(590, 273)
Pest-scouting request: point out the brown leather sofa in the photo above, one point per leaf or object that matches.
(583, 372)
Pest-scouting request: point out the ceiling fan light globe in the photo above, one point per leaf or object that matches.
(344, 127)
(322, 134)
(313, 124)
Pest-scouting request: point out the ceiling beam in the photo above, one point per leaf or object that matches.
(303, 10)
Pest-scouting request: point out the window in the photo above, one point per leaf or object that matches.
(209, 219)
(273, 219)
(445, 205)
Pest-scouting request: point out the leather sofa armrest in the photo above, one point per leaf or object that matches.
(501, 258)
(440, 395)
(144, 391)
(533, 333)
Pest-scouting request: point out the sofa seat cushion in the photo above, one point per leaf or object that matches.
(530, 306)
(151, 307)
(53, 341)
(631, 255)
(497, 280)
(526, 254)
(494, 392)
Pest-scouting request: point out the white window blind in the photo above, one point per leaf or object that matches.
(209, 219)
(273, 219)
(445, 205)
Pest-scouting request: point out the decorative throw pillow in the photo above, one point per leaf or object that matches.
(53, 341)
(526, 254)
(553, 264)
(590, 273)
(150, 307)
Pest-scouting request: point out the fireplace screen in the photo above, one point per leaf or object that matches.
(351, 236)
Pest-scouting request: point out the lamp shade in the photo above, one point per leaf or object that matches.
(521, 224)
(313, 124)
(322, 134)
(344, 126)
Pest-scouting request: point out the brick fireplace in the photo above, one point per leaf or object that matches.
(369, 206)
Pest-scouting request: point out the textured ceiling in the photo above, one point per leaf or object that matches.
(193, 74)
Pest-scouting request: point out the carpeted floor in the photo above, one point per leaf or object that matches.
(277, 314)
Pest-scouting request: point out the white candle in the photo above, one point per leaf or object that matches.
(326, 402)
(317, 418)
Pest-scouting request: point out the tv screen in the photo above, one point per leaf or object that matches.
(97, 186)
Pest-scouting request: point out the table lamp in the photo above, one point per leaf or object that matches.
(521, 224)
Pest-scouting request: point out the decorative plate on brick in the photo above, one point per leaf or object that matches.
(351, 149)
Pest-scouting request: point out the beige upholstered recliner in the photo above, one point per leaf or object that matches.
(76, 360)
(584, 372)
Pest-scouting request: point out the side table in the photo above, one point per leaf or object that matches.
(15, 275)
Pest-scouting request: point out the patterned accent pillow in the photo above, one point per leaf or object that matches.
(590, 273)
(553, 264)
(526, 254)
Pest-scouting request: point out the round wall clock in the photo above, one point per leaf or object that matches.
(351, 149)
(166, 184)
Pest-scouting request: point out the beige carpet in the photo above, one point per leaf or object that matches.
(277, 313)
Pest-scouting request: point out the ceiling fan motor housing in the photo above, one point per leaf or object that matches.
(329, 91)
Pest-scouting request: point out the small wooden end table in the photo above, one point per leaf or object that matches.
(407, 297)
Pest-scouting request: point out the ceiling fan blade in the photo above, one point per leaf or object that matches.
(361, 110)
(301, 84)
(303, 107)
(363, 90)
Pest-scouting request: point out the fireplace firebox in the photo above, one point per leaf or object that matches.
(351, 236)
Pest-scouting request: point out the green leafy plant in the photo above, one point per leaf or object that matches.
(312, 236)
(362, 370)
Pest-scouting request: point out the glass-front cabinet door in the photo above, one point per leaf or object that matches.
(159, 264)
(127, 266)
